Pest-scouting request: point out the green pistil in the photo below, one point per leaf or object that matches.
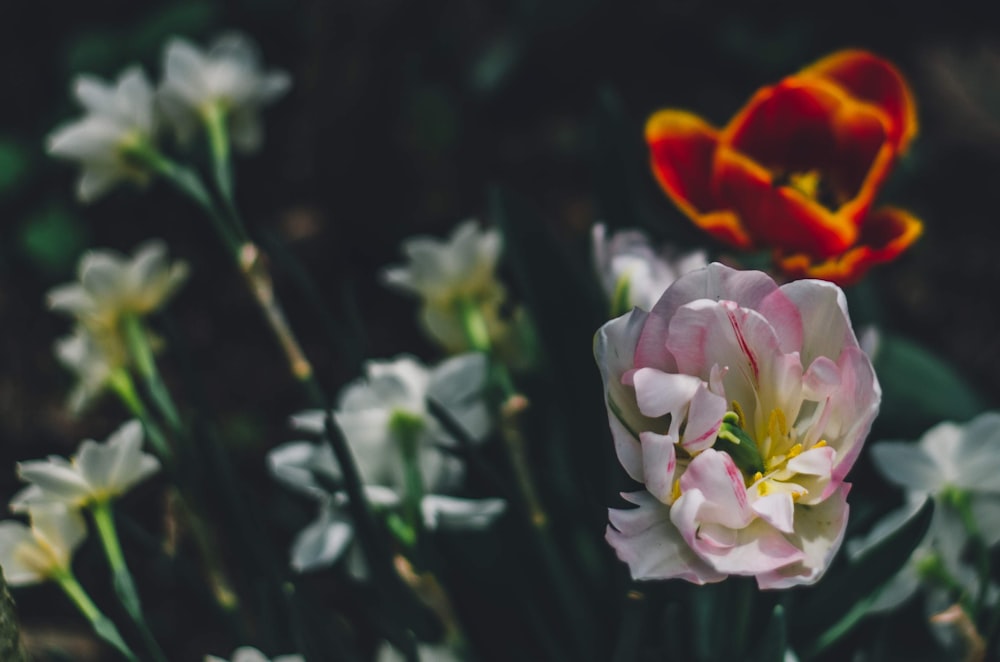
(737, 443)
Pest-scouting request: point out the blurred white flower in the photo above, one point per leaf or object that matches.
(948, 456)
(226, 78)
(250, 654)
(426, 652)
(632, 273)
(111, 285)
(44, 550)
(949, 460)
(369, 413)
(450, 276)
(92, 362)
(119, 117)
(97, 472)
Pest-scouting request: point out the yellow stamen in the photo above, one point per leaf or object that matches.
(764, 488)
(777, 424)
(806, 183)
(676, 492)
(798, 494)
(757, 476)
(820, 444)
(793, 451)
(739, 413)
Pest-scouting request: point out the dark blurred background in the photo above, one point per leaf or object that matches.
(401, 116)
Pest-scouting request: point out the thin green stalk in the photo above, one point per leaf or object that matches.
(102, 625)
(214, 116)
(124, 584)
(142, 354)
(123, 385)
(962, 502)
(248, 260)
(514, 405)
(187, 182)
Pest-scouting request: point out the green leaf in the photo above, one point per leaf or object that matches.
(15, 167)
(774, 640)
(919, 390)
(842, 599)
(51, 239)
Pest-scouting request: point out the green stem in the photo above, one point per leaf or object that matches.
(962, 502)
(408, 435)
(124, 584)
(188, 183)
(123, 385)
(102, 625)
(514, 405)
(248, 260)
(214, 116)
(477, 331)
(142, 354)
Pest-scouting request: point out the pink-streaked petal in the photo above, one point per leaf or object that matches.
(758, 547)
(650, 544)
(704, 420)
(715, 282)
(855, 405)
(659, 459)
(778, 510)
(718, 479)
(786, 319)
(717, 536)
(821, 379)
(819, 531)
(826, 325)
(660, 393)
(707, 333)
(614, 349)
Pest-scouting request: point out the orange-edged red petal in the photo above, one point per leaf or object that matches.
(869, 78)
(804, 125)
(778, 216)
(885, 234)
(682, 150)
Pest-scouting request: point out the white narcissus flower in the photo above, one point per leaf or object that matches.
(426, 653)
(948, 461)
(226, 78)
(119, 117)
(632, 273)
(450, 275)
(97, 472)
(741, 406)
(94, 363)
(368, 413)
(44, 550)
(111, 285)
(251, 654)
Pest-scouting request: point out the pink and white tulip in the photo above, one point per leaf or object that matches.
(740, 406)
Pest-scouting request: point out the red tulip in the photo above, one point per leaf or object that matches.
(797, 169)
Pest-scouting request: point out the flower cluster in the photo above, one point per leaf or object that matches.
(385, 419)
(112, 291)
(58, 491)
(116, 140)
(741, 406)
(456, 282)
(798, 168)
